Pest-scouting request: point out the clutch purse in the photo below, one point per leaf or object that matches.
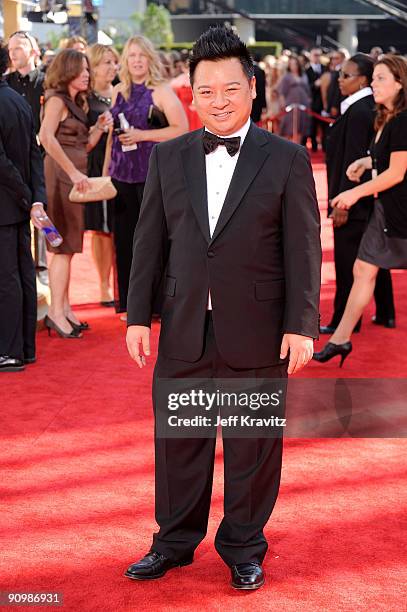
(101, 188)
(156, 119)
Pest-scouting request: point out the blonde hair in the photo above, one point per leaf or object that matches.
(154, 73)
(73, 40)
(95, 55)
(96, 52)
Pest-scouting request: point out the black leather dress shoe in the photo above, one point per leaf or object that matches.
(10, 364)
(29, 360)
(247, 576)
(389, 323)
(154, 565)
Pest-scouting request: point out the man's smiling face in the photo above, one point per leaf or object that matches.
(223, 95)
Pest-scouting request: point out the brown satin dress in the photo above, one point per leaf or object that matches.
(68, 217)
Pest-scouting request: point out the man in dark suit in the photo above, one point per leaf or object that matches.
(22, 195)
(349, 139)
(230, 220)
(314, 72)
(259, 103)
(28, 80)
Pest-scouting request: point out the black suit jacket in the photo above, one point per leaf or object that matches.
(316, 103)
(262, 264)
(260, 100)
(348, 139)
(21, 166)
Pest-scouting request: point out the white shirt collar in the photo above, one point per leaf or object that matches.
(347, 102)
(242, 132)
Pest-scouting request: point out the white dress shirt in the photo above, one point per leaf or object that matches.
(317, 68)
(347, 102)
(220, 167)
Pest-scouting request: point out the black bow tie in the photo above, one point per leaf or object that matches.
(211, 143)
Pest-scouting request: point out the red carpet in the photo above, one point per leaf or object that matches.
(77, 482)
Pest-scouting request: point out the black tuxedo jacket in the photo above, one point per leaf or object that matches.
(21, 166)
(262, 264)
(348, 139)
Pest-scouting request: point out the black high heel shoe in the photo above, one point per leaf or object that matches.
(331, 350)
(50, 324)
(81, 326)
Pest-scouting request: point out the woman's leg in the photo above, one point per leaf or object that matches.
(59, 273)
(102, 249)
(364, 275)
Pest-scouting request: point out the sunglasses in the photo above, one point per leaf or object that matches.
(22, 34)
(345, 75)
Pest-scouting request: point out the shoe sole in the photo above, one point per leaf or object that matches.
(13, 369)
(133, 577)
(249, 587)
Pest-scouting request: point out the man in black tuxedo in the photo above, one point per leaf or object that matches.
(22, 195)
(230, 220)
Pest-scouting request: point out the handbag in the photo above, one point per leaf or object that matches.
(101, 188)
(156, 118)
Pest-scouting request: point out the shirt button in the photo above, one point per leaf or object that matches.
(217, 193)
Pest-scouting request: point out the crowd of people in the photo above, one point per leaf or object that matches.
(79, 96)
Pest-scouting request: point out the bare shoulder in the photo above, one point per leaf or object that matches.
(55, 103)
(163, 91)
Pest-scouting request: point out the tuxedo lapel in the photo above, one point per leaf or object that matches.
(193, 159)
(251, 158)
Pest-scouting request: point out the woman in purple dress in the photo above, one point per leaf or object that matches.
(294, 89)
(141, 86)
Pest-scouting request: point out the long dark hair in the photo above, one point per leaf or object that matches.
(297, 61)
(398, 67)
(64, 68)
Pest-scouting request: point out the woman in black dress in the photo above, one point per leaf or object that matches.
(99, 215)
(348, 139)
(384, 244)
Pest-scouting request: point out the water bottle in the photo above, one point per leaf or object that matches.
(124, 124)
(50, 231)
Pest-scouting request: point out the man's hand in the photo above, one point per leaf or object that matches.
(339, 217)
(138, 335)
(301, 350)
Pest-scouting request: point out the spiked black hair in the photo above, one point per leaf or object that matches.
(220, 43)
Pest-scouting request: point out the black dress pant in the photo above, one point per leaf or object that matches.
(18, 293)
(346, 245)
(184, 473)
(126, 213)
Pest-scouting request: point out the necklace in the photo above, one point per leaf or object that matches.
(104, 99)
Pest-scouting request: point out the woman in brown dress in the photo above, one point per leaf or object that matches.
(66, 139)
